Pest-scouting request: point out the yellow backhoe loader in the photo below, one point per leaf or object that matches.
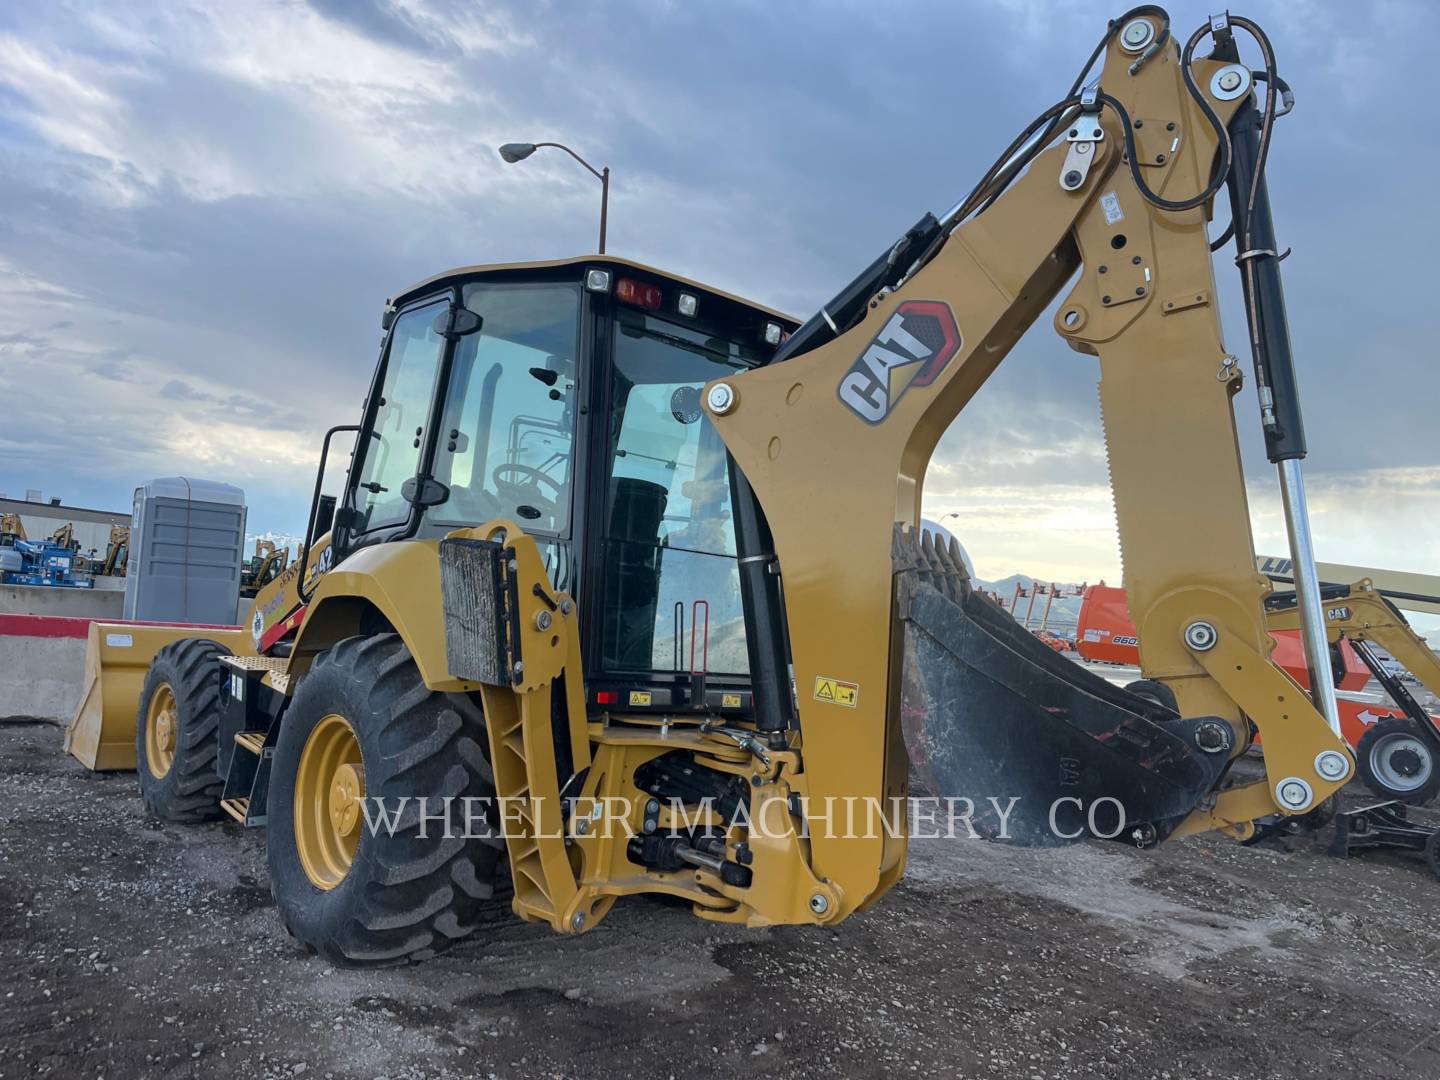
(263, 567)
(626, 589)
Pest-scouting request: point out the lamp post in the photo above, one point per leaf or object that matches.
(513, 152)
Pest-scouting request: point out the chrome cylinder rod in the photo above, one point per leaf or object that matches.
(1307, 591)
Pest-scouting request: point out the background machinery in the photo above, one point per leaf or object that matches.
(117, 552)
(1397, 745)
(53, 562)
(633, 568)
(263, 567)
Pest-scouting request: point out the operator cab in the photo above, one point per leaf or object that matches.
(565, 396)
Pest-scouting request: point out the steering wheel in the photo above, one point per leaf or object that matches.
(526, 489)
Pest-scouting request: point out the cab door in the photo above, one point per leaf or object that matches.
(388, 451)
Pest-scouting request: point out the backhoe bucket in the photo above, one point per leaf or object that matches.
(1046, 752)
(101, 734)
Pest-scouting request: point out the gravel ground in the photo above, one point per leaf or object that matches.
(132, 948)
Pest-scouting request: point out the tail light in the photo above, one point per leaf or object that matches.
(638, 293)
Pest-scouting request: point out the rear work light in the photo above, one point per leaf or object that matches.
(597, 280)
(774, 333)
(639, 294)
(687, 305)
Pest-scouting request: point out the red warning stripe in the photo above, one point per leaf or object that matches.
(64, 626)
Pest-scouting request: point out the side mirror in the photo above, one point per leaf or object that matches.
(424, 491)
(325, 515)
(456, 322)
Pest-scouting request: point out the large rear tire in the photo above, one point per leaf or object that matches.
(177, 732)
(363, 726)
(1396, 762)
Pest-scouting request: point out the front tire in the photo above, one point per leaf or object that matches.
(177, 732)
(1396, 762)
(363, 726)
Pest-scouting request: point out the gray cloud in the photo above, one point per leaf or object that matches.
(202, 208)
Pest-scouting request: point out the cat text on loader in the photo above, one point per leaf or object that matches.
(626, 589)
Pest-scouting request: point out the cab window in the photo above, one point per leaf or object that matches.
(392, 449)
(506, 445)
(670, 566)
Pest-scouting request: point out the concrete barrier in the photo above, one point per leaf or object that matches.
(105, 603)
(42, 661)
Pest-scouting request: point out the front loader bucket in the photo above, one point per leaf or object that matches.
(101, 734)
(1045, 751)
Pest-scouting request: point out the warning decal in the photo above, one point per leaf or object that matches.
(640, 697)
(837, 691)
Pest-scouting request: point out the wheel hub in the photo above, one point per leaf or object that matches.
(161, 731)
(1406, 762)
(165, 731)
(346, 794)
(329, 791)
(1401, 762)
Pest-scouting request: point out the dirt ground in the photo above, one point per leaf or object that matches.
(136, 949)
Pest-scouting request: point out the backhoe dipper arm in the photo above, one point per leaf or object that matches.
(835, 442)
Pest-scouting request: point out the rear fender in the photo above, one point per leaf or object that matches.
(399, 582)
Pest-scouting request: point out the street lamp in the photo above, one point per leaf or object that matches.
(519, 151)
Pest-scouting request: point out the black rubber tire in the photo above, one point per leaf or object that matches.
(190, 791)
(405, 896)
(1158, 692)
(1370, 749)
(1432, 853)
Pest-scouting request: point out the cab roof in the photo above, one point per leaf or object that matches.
(587, 260)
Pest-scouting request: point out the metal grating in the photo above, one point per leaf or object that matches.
(473, 589)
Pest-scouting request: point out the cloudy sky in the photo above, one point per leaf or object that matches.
(203, 206)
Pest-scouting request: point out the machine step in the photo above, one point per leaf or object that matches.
(238, 808)
(254, 741)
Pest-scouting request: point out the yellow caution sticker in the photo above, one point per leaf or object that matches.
(640, 697)
(837, 692)
(730, 701)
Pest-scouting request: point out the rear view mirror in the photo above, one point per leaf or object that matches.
(325, 515)
(456, 322)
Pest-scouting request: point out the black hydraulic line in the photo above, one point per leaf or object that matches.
(837, 316)
(1224, 238)
(1388, 594)
(765, 636)
(1264, 293)
(1399, 694)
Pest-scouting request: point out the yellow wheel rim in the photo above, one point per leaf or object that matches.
(329, 789)
(162, 728)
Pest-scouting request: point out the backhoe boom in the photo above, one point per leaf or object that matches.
(868, 406)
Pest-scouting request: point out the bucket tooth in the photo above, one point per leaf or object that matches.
(991, 713)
